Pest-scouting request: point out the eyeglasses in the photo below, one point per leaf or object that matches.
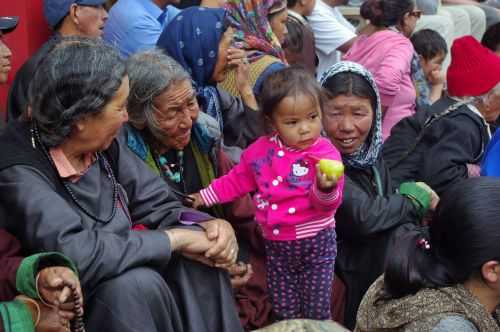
(416, 13)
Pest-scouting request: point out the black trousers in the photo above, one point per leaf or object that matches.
(186, 297)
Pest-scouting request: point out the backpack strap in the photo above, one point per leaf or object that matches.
(427, 124)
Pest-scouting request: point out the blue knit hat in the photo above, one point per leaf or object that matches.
(56, 10)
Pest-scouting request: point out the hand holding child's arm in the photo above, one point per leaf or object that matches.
(196, 201)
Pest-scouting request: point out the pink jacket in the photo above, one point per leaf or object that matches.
(387, 55)
(288, 204)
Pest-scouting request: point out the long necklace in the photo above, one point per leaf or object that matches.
(167, 168)
(110, 175)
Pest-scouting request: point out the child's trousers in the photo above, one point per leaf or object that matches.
(300, 275)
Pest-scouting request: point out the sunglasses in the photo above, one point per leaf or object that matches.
(416, 13)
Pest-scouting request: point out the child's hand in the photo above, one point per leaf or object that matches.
(437, 77)
(196, 201)
(325, 183)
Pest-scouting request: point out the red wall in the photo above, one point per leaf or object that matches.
(32, 31)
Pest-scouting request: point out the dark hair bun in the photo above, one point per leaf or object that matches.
(372, 10)
(386, 13)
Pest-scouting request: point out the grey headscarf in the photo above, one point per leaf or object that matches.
(369, 151)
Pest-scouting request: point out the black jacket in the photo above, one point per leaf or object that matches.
(440, 159)
(368, 217)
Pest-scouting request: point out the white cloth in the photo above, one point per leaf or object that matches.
(331, 30)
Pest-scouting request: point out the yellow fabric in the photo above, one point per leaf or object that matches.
(256, 69)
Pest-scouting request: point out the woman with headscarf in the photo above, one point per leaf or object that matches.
(199, 40)
(372, 210)
(260, 30)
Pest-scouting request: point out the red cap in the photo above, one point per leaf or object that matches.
(474, 69)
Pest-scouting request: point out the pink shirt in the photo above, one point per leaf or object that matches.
(387, 55)
(64, 167)
(289, 205)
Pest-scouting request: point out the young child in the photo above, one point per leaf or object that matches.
(295, 202)
(432, 50)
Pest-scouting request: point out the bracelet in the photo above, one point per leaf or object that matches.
(25, 299)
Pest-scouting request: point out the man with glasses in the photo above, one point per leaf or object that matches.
(84, 18)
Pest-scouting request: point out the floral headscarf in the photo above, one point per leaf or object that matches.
(369, 151)
(192, 39)
(252, 29)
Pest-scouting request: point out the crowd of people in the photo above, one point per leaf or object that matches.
(248, 165)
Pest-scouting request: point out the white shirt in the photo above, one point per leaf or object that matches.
(331, 30)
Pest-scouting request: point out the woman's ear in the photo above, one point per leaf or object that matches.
(490, 271)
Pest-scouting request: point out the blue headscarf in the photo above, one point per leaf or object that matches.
(192, 39)
(369, 151)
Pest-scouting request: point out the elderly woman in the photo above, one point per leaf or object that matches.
(372, 211)
(183, 146)
(260, 30)
(200, 42)
(447, 277)
(66, 184)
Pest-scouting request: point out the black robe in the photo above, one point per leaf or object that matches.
(366, 221)
(440, 159)
(131, 279)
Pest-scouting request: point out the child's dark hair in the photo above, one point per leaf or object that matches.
(463, 236)
(428, 44)
(491, 38)
(291, 81)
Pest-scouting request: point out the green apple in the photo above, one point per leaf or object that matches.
(331, 168)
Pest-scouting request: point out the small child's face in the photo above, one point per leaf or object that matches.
(432, 64)
(297, 119)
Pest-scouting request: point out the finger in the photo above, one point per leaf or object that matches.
(212, 231)
(55, 282)
(64, 295)
(68, 306)
(66, 315)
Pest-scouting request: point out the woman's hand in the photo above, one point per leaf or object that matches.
(196, 201)
(225, 250)
(243, 79)
(240, 273)
(45, 318)
(55, 286)
(324, 182)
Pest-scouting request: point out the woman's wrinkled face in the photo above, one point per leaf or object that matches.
(97, 132)
(176, 111)
(221, 66)
(278, 25)
(5, 65)
(347, 120)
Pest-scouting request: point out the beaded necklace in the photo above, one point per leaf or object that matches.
(167, 167)
(35, 139)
